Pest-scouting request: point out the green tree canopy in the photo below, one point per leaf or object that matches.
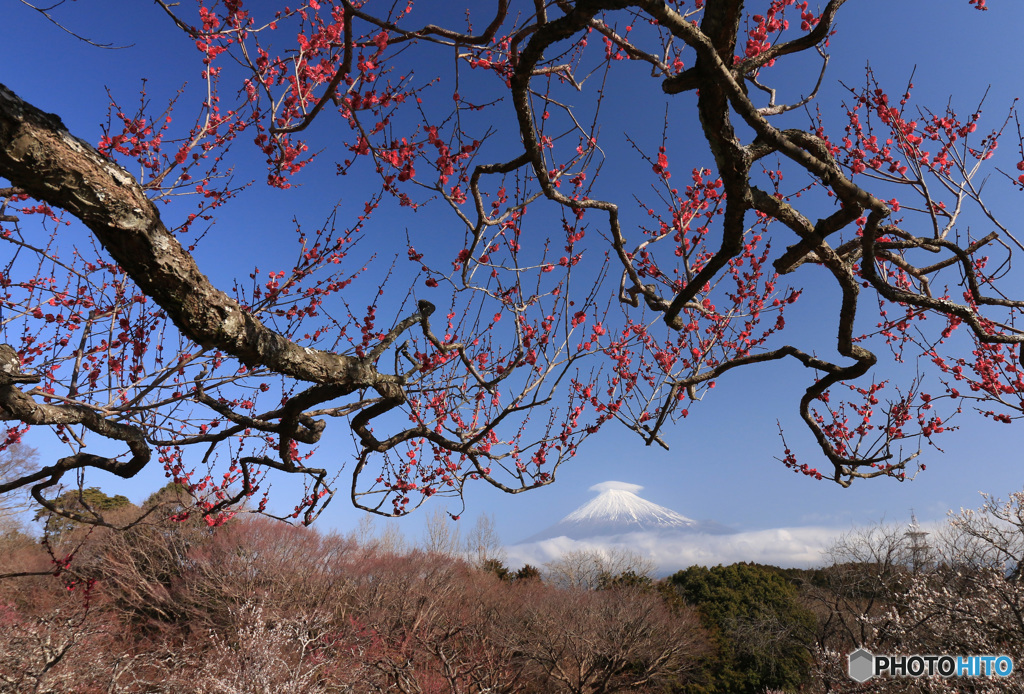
(86, 503)
(758, 624)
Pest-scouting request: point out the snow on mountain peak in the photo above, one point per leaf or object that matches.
(619, 504)
(617, 510)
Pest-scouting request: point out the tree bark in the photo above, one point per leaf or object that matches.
(40, 156)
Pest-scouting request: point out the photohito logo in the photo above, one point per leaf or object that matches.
(864, 665)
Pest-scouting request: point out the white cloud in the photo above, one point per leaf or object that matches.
(786, 547)
(612, 484)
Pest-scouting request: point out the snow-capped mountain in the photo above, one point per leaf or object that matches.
(617, 510)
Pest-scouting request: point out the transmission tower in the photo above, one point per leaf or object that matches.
(919, 549)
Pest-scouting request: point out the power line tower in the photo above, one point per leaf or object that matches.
(919, 549)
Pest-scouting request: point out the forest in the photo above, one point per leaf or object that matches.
(256, 605)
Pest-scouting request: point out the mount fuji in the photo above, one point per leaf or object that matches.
(617, 510)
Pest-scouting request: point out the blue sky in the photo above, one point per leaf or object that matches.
(722, 463)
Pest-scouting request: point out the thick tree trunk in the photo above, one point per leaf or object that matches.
(39, 156)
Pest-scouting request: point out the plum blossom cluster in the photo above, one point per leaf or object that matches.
(562, 294)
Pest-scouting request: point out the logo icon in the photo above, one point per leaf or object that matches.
(861, 665)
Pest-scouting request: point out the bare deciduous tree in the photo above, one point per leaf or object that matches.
(589, 569)
(483, 544)
(15, 461)
(589, 642)
(442, 534)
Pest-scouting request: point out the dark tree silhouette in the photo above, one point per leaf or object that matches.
(506, 352)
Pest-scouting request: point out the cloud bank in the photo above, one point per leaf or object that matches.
(612, 484)
(786, 547)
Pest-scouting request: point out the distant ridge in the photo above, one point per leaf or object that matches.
(617, 510)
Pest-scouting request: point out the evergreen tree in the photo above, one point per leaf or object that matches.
(760, 630)
(77, 507)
